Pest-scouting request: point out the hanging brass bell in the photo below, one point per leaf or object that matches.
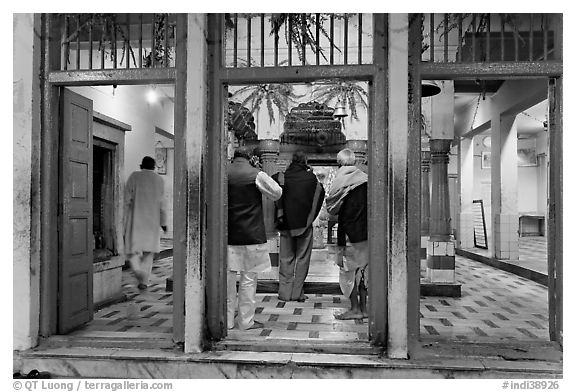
(430, 88)
(340, 110)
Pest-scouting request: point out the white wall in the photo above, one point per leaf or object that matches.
(26, 266)
(165, 142)
(128, 104)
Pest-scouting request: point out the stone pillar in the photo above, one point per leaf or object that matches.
(425, 193)
(440, 263)
(360, 149)
(466, 173)
(504, 174)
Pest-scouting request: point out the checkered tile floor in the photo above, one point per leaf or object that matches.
(145, 314)
(532, 253)
(495, 305)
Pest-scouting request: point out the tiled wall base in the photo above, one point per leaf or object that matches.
(440, 262)
(440, 275)
(506, 237)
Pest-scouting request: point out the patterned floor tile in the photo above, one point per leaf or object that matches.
(495, 306)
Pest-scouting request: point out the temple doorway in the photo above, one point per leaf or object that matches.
(309, 125)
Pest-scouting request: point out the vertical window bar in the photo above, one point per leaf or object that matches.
(127, 42)
(249, 42)
(303, 35)
(66, 43)
(77, 41)
(346, 39)
(289, 39)
(235, 40)
(90, 41)
(114, 45)
(502, 29)
(102, 51)
(515, 46)
(446, 38)
(531, 39)
(331, 39)
(276, 39)
(473, 37)
(359, 38)
(261, 40)
(140, 40)
(487, 37)
(317, 39)
(153, 48)
(431, 37)
(545, 26)
(166, 31)
(459, 52)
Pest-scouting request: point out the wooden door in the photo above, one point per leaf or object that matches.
(75, 302)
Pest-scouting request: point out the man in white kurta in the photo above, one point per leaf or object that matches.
(144, 216)
(247, 246)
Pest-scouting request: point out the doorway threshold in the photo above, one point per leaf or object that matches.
(299, 346)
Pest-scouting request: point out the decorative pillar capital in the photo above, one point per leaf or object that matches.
(425, 157)
(360, 149)
(269, 146)
(440, 150)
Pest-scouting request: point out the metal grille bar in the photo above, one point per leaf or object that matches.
(487, 38)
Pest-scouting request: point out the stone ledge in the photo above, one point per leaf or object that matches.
(124, 363)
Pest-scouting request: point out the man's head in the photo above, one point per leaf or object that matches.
(346, 157)
(243, 152)
(148, 163)
(299, 157)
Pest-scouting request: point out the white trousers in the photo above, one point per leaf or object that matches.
(245, 299)
(141, 264)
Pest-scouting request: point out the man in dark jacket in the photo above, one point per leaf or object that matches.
(247, 246)
(302, 198)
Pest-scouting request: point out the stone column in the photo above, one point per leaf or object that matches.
(360, 149)
(466, 173)
(424, 201)
(425, 191)
(440, 262)
(504, 174)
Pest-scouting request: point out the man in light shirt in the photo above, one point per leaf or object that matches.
(247, 245)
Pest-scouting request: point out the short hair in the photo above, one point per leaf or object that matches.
(243, 152)
(148, 163)
(299, 157)
(346, 157)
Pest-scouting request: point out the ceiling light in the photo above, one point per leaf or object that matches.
(152, 95)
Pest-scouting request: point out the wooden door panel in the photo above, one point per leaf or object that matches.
(75, 302)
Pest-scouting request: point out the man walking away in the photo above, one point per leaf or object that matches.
(247, 245)
(144, 215)
(302, 198)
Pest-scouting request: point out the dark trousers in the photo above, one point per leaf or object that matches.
(295, 255)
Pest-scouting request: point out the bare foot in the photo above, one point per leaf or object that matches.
(349, 315)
